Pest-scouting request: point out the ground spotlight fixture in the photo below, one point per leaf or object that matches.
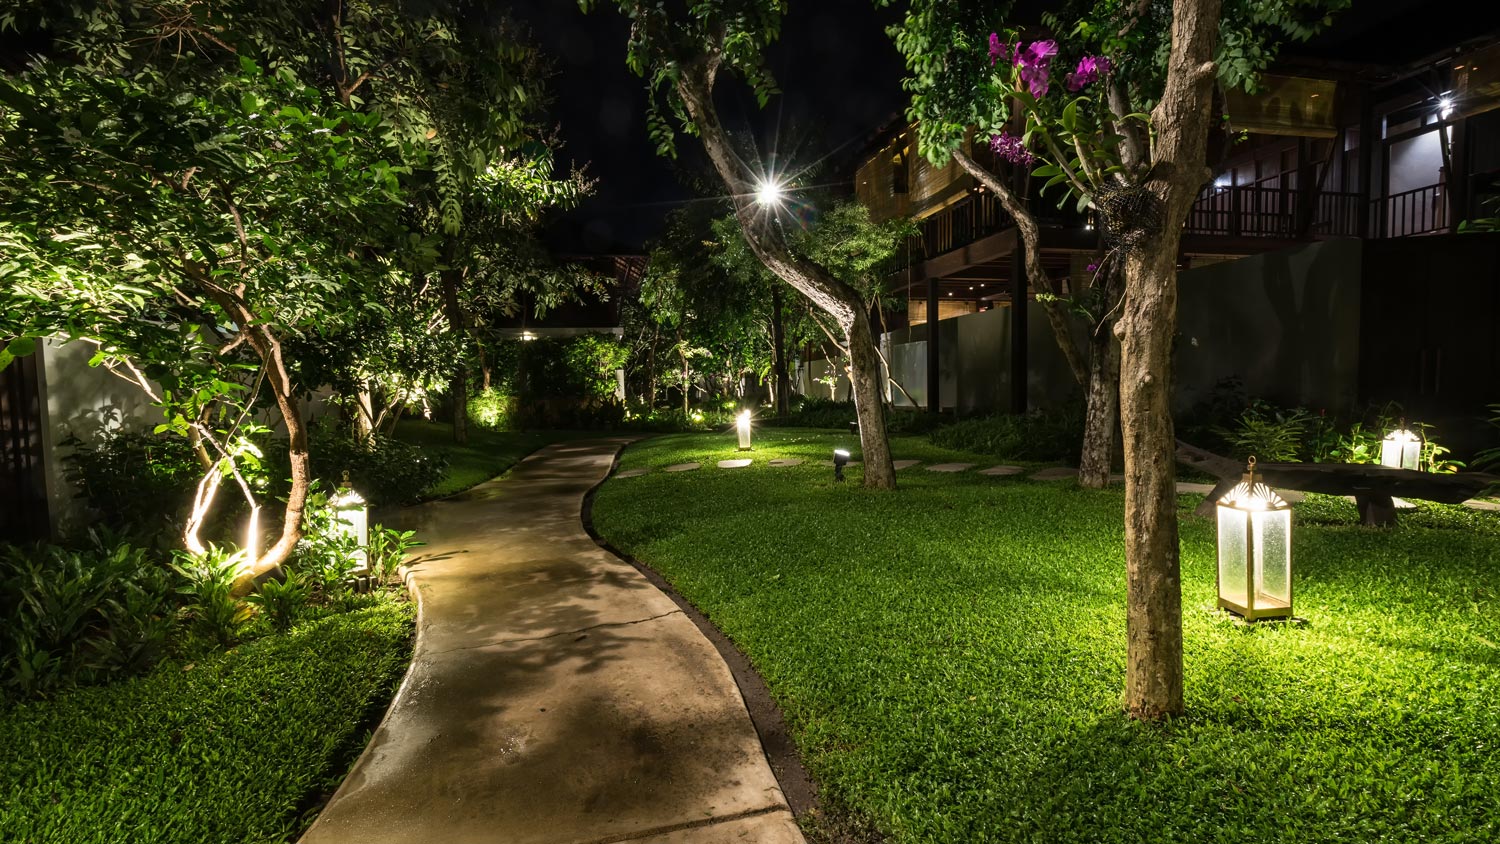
(840, 460)
(742, 427)
(769, 193)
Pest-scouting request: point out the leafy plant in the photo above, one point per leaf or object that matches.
(283, 601)
(134, 481)
(208, 588)
(387, 550)
(1490, 458)
(1039, 436)
(326, 556)
(1270, 433)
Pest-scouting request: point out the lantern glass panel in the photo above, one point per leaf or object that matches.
(1273, 559)
(1233, 544)
(742, 426)
(1401, 450)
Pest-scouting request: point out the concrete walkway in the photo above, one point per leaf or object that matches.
(556, 696)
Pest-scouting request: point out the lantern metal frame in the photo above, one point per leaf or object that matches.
(1250, 510)
(1401, 449)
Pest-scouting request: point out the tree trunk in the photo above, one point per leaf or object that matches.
(364, 412)
(458, 387)
(778, 336)
(866, 387)
(1099, 411)
(1153, 679)
(695, 85)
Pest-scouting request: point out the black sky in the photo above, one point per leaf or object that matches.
(839, 73)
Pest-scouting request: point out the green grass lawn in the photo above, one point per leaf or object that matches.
(486, 455)
(227, 750)
(951, 656)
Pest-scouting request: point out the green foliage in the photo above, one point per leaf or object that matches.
(494, 410)
(281, 601)
(207, 588)
(383, 469)
(326, 557)
(1268, 433)
(388, 549)
(1489, 458)
(1040, 436)
(174, 756)
(950, 658)
(81, 615)
(133, 481)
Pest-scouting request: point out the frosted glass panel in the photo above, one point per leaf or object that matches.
(1274, 555)
(1232, 543)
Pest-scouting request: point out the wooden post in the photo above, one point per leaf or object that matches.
(934, 371)
(1019, 298)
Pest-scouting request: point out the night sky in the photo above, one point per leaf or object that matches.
(839, 72)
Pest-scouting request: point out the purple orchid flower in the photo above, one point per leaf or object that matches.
(1034, 60)
(1092, 268)
(1090, 70)
(1012, 149)
(999, 51)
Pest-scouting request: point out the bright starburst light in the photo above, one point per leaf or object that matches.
(769, 193)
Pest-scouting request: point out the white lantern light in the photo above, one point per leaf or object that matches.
(351, 517)
(1255, 551)
(742, 427)
(1401, 449)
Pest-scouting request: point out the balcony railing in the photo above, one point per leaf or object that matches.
(1412, 212)
(976, 215)
(1261, 210)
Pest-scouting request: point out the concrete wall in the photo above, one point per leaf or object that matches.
(1286, 323)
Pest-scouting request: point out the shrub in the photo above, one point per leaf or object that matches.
(326, 556)
(134, 482)
(815, 412)
(80, 616)
(1269, 433)
(1044, 436)
(208, 583)
(383, 470)
(494, 410)
(281, 601)
(387, 550)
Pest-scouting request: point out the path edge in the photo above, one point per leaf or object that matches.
(796, 785)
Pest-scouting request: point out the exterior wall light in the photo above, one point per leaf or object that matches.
(742, 427)
(1255, 551)
(840, 460)
(351, 518)
(1401, 449)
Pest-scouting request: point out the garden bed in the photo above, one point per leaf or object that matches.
(951, 657)
(237, 746)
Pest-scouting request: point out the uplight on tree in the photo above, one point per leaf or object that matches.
(840, 460)
(351, 518)
(1255, 550)
(742, 427)
(769, 193)
(1401, 449)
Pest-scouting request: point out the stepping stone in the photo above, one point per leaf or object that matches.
(683, 467)
(950, 467)
(1193, 488)
(734, 464)
(1480, 504)
(904, 464)
(1001, 470)
(1056, 473)
(787, 461)
(631, 473)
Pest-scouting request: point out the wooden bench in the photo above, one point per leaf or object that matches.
(1373, 487)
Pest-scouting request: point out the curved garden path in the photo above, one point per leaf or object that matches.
(555, 696)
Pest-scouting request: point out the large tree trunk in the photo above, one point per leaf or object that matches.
(778, 340)
(695, 84)
(1099, 411)
(1153, 683)
(866, 387)
(458, 387)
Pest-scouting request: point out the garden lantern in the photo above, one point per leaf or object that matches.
(840, 460)
(742, 426)
(1401, 449)
(351, 518)
(1255, 550)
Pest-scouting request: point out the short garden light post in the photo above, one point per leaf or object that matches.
(742, 427)
(1255, 550)
(840, 460)
(351, 517)
(1401, 449)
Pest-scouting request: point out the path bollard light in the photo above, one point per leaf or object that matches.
(840, 460)
(742, 426)
(1255, 551)
(1401, 449)
(351, 517)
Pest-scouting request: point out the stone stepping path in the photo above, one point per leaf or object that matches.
(632, 473)
(787, 461)
(1055, 473)
(683, 467)
(1001, 471)
(904, 464)
(950, 467)
(734, 464)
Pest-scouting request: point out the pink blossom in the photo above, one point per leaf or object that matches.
(1012, 149)
(1090, 70)
(999, 52)
(1034, 60)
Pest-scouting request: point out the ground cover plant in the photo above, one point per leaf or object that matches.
(226, 748)
(950, 657)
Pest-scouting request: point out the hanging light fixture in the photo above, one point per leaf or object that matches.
(1255, 550)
